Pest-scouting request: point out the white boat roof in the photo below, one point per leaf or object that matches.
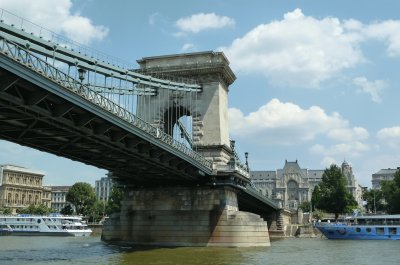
(382, 216)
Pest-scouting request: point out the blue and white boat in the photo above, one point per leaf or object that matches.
(374, 227)
(34, 225)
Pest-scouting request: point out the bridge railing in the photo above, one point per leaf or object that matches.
(24, 57)
(61, 48)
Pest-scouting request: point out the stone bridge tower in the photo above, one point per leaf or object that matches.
(205, 215)
(210, 109)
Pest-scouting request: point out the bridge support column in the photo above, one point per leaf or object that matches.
(177, 216)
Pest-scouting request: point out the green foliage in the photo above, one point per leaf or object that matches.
(67, 210)
(374, 199)
(305, 206)
(391, 193)
(318, 215)
(36, 210)
(5, 210)
(82, 196)
(114, 201)
(97, 211)
(332, 195)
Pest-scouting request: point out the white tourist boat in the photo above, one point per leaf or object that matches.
(57, 225)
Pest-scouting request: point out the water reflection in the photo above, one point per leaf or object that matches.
(188, 255)
(16, 250)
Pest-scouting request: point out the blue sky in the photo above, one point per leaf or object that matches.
(317, 81)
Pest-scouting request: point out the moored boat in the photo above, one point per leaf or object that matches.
(57, 225)
(374, 227)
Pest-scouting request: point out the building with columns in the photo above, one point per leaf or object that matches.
(292, 185)
(21, 187)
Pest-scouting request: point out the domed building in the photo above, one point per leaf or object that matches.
(292, 185)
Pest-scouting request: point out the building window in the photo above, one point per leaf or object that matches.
(292, 187)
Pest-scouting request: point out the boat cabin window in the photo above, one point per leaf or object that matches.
(368, 229)
(380, 230)
(358, 230)
(392, 230)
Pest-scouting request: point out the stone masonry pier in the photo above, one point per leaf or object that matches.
(178, 216)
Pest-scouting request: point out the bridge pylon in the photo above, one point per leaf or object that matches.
(208, 108)
(200, 215)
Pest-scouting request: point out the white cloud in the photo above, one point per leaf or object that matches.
(387, 31)
(288, 124)
(188, 47)
(328, 161)
(285, 124)
(390, 136)
(374, 88)
(303, 51)
(348, 134)
(202, 21)
(55, 16)
(351, 150)
(153, 18)
(298, 50)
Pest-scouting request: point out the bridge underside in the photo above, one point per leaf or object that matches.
(34, 117)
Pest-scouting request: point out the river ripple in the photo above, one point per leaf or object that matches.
(299, 251)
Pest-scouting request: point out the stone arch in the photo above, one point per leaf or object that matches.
(208, 107)
(171, 117)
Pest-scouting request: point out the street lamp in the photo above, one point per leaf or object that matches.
(81, 73)
(246, 154)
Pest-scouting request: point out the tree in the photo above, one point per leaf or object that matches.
(374, 199)
(38, 210)
(332, 195)
(114, 201)
(391, 193)
(305, 206)
(6, 211)
(82, 196)
(97, 211)
(67, 210)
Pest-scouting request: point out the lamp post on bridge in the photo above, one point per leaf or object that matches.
(246, 154)
(81, 73)
(81, 76)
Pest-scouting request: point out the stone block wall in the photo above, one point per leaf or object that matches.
(177, 216)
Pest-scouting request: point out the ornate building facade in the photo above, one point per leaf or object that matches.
(21, 187)
(292, 185)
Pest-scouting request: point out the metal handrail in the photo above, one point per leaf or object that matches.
(22, 56)
(49, 42)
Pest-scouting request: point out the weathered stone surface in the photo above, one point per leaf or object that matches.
(179, 216)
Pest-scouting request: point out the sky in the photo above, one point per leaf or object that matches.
(317, 81)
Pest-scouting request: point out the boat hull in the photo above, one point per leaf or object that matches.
(358, 232)
(38, 233)
(52, 225)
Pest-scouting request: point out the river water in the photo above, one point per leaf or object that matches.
(16, 250)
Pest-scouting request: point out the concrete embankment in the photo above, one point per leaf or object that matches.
(296, 230)
(96, 228)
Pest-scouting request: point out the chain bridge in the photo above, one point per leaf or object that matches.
(160, 130)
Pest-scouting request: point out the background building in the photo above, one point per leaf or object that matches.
(103, 188)
(293, 185)
(21, 187)
(59, 197)
(383, 174)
